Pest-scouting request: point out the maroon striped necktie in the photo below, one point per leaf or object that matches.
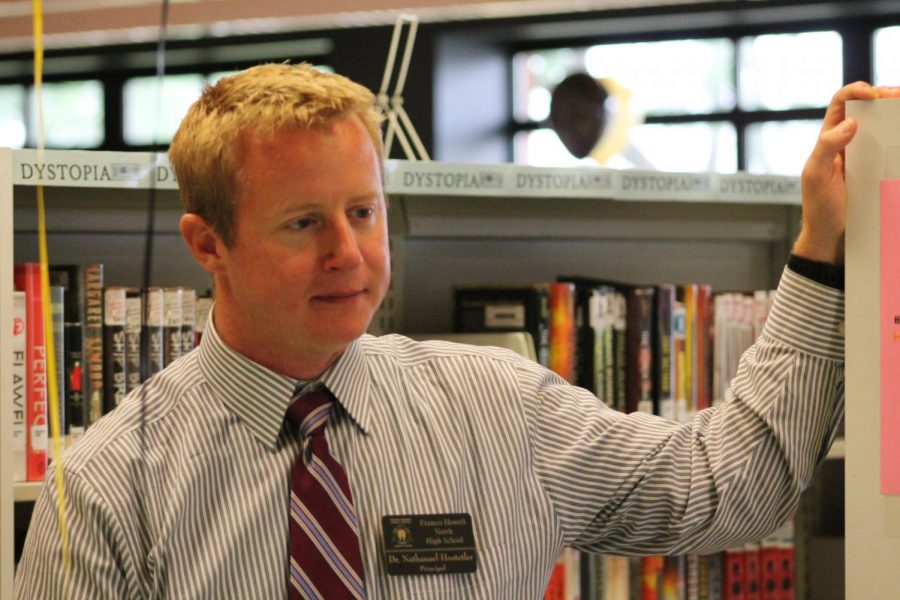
(325, 558)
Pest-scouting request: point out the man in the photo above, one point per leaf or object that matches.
(280, 173)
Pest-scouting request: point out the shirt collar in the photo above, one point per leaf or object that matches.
(260, 397)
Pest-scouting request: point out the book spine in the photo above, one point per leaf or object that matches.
(618, 350)
(28, 279)
(562, 330)
(523, 308)
(153, 333)
(76, 381)
(133, 312)
(57, 319)
(172, 317)
(704, 347)
(203, 308)
(115, 366)
(679, 347)
(752, 573)
(735, 577)
(651, 577)
(188, 319)
(93, 339)
(639, 350)
(664, 355)
(19, 389)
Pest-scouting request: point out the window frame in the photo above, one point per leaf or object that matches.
(740, 118)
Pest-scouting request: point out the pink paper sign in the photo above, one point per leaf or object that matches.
(890, 336)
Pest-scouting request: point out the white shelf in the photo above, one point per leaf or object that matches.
(26, 491)
(837, 451)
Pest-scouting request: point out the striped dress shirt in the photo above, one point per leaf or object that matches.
(190, 500)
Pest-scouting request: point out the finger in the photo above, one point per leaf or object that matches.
(831, 144)
(859, 90)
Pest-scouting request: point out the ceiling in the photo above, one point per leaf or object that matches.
(76, 23)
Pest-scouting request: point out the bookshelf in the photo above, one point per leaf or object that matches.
(450, 224)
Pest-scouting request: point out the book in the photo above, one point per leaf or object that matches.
(663, 368)
(172, 319)
(506, 308)
(93, 339)
(673, 578)
(28, 279)
(752, 572)
(188, 318)
(57, 304)
(651, 577)
(703, 348)
(19, 376)
(115, 364)
(734, 574)
(639, 349)
(72, 278)
(76, 405)
(600, 356)
(679, 348)
(203, 310)
(556, 586)
(562, 330)
(152, 332)
(133, 317)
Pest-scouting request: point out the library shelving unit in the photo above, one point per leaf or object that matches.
(450, 224)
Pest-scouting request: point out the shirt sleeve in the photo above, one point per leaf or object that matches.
(639, 484)
(96, 568)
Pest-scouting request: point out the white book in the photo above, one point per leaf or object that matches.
(19, 387)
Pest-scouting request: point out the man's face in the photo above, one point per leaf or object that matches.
(309, 265)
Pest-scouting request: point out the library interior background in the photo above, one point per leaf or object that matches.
(706, 91)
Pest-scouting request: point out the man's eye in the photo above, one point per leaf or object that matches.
(302, 223)
(363, 213)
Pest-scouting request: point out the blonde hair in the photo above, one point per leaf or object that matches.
(205, 152)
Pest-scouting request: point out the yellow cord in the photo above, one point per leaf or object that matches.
(53, 399)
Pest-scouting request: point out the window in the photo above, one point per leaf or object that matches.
(152, 112)
(886, 46)
(701, 104)
(12, 116)
(73, 115)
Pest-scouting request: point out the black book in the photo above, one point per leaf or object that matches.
(506, 308)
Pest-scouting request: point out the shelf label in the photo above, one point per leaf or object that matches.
(437, 178)
(565, 183)
(93, 169)
(890, 336)
(650, 185)
(758, 188)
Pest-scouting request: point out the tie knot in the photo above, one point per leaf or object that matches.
(309, 412)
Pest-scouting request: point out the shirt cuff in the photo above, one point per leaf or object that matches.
(808, 315)
(821, 272)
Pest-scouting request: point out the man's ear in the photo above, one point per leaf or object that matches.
(202, 240)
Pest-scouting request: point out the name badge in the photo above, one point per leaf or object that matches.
(429, 544)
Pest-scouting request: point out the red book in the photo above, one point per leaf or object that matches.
(28, 280)
(556, 587)
(733, 575)
(651, 579)
(787, 572)
(770, 570)
(752, 572)
(703, 347)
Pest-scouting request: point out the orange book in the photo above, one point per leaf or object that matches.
(562, 330)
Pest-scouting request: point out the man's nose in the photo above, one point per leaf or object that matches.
(343, 247)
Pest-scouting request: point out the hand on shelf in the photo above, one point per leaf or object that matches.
(824, 192)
